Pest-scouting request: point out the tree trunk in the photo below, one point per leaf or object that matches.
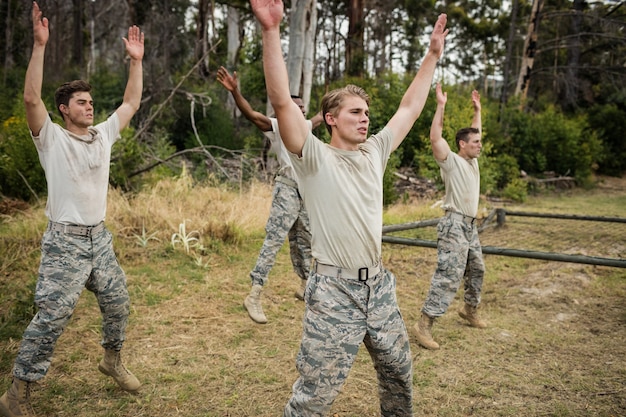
(234, 43)
(308, 65)
(295, 56)
(77, 41)
(202, 33)
(355, 54)
(570, 90)
(504, 97)
(530, 45)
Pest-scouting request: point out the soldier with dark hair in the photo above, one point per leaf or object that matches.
(76, 249)
(459, 252)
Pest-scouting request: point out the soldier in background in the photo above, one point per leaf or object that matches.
(288, 218)
(459, 254)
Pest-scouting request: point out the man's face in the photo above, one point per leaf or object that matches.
(471, 148)
(352, 120)
(79, 110)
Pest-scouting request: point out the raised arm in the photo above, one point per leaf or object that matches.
(440, 146)
(134, 85)
(477, 120)
(415, 96)
(230, 83)
(291, 122)
(36, 112)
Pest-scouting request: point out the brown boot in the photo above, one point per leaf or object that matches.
(252, 303)
(16, 401)
(111, 365)
(470, 313)
(423, 334)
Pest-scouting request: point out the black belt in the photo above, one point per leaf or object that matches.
(72, 229)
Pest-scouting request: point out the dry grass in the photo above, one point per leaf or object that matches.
(554, 347)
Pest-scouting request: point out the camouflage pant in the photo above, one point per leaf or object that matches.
(68, 264)
(459, 257)
(288, 218)
(339, 315)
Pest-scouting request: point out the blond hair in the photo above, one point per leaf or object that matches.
(332, 101)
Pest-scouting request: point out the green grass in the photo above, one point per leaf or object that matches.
(554, 345)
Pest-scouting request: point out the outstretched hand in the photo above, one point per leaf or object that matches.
(442, 98)
(438, 37)
(41, 30)
(228, 81)
(134, 43)
(476, 100)
(269, 13)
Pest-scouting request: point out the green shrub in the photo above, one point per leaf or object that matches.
(516, 190)
(21, 174)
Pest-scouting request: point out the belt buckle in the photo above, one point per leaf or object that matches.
(367, 272)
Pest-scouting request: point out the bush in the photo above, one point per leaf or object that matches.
(516, 190)
(21, 174)
(551, 141)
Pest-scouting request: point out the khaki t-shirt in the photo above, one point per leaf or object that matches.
(343, 195)
(77, 170)
(462, 181)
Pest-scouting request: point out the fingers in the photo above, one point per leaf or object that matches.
(135, 34)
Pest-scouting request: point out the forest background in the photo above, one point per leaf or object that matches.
(552, 75)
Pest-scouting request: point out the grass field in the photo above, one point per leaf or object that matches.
(555, 345)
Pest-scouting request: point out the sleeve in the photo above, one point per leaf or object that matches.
(44, 139)
(110, 129)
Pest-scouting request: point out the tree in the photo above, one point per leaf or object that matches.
(355, 53)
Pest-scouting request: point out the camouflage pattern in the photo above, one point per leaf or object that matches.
(70, 263)
(288, 219)
(459, 256)
(340, 315)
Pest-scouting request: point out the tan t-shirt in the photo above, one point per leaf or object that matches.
(462, 180)
(343, 195)
(77, 170)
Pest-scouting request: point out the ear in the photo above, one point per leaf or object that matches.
(329, 119)
(63, 108)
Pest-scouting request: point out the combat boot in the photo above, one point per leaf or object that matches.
(111, 365)
(16, 401)
(423, 332)
(252, 303)
(470, 313)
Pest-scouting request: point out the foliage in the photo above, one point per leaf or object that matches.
(609, 122)
(516, 190)
(187, 240)
(390, 195)
(21, 175)
(552, 136)
(551, 141)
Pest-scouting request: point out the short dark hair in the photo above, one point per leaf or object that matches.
(464, 134)
(66, 90)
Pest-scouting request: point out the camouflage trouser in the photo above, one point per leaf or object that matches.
(70, 263)
(459, 256)
(340, 314)
(288, 218)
